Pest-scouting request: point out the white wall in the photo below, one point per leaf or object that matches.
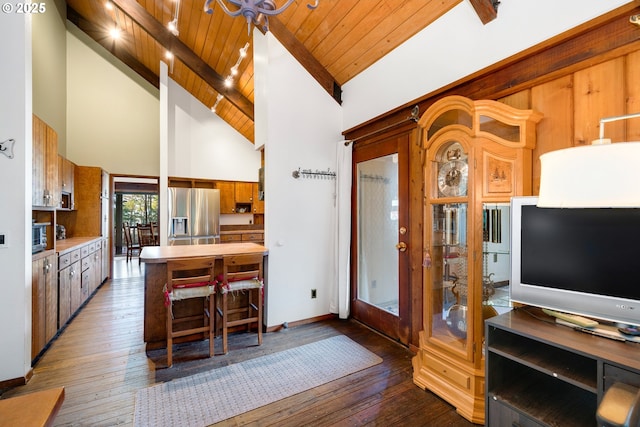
(49, 77)
(299, 125)
(445, 52)
(15, 193)
(202, 145)
(112, 115)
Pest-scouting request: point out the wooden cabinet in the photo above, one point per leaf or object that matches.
(44, 303)
(244, 192)
(258, 199)
(45, 191)
(540, 373)
(106, 260)
(227, 196)
(66, 172)
(91, 202)
(478, 155)
(80, 274)
(69, 285)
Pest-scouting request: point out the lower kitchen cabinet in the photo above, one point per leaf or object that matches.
(44, 324)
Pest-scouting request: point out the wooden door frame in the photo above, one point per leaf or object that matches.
(399, 327)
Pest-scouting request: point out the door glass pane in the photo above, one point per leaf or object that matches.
(378, 206)
(496, 267)
(450, 286)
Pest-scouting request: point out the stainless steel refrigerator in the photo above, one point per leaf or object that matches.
(194, 216)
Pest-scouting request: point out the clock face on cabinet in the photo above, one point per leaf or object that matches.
(453, 173)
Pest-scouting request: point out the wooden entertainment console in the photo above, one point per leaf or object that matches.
(539, 373)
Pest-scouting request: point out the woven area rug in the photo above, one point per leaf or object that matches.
(213, 396)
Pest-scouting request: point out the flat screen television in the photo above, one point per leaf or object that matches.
(584, 261)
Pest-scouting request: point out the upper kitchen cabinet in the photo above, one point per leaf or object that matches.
(227, 196)
(45, 190)
(258, 199)
(66, 172)
(91, 215)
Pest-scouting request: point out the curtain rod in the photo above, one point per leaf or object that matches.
(414, 117)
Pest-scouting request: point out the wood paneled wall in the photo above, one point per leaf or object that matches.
(574, 80)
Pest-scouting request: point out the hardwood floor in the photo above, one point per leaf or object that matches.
(101, 361)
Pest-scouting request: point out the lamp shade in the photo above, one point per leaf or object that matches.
(591, 176)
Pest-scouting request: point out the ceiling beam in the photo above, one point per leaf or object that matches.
(181, 51)
(487, 10)
(305, 58)
(97, 34)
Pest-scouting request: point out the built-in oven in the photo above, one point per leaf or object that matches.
(39, 236)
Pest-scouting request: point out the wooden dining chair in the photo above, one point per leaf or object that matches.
(145, 235)
(154, 233)
(187, 279)
(242, 277)
(131, 246)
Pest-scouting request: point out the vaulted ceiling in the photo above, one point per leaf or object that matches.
(335, 41)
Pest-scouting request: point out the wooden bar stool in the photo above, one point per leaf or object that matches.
(190, 278)
(242, 274)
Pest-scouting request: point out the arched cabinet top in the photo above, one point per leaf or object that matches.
(493, 120)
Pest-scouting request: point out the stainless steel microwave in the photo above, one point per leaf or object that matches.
(39, 236)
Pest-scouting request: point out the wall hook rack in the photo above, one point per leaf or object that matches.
(6, 147)
(317, 174)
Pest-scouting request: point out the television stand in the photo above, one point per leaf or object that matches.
(542, 373)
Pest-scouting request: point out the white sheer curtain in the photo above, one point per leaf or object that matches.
(340, 290)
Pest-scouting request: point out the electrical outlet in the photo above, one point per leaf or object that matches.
(4, 240)
(313, 293)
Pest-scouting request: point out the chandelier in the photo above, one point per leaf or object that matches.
(255, 11)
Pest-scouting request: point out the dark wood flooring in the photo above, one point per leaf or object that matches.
(101, 361)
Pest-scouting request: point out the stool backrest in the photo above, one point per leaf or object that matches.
(191, 272)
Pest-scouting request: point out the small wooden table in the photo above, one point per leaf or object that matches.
(34, 409)
(155, 276)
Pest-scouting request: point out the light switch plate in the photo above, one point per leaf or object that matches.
(4, 240)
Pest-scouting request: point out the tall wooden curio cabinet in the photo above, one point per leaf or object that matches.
(477, 156)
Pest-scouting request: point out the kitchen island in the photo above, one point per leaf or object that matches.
(155, 276)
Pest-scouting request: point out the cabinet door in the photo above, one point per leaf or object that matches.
(105, 260)
(38, 284)
(38, 163)
(244, 192)
(65, 278)
(258, 199)
(45, 190)
(75, 287)
(51, 297)
(227, 196)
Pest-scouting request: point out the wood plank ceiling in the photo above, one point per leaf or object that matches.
(334, 42)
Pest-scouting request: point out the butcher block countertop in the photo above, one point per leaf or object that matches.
(160, 254)
(66, 245)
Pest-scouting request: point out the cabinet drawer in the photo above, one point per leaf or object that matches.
(86, 263)
(84, 251)
(448, 372)
(252, 237)
(64, 261)
(224, 238)
(75, 256)
(92, 247)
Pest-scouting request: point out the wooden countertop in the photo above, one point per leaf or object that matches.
(160, 254)
(34, 409)
(66, 245)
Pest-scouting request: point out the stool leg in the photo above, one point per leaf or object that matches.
(169, 338)
(225, 347)
(211, 324)
(259, 322)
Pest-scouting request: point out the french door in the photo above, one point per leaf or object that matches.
(380, 256)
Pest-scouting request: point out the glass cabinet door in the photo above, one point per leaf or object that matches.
(449, 274)
(496, 267)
